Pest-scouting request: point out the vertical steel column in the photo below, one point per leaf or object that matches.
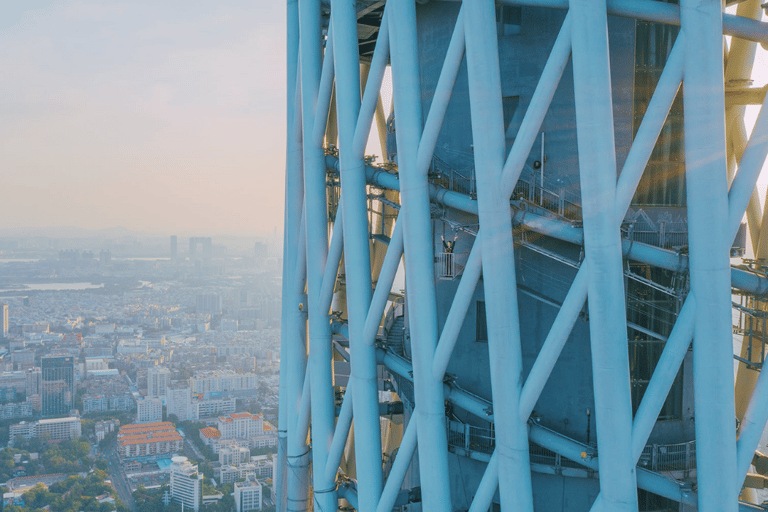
(320, 351)
(422, 309)
(357, 258)
(707, 189)
(500, 288)
(294, 197)
(602, 241)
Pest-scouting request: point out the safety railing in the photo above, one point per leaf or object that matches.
(665, 232)
(669, 457)
(655, 457)
(470, 437)
(462, 181)
(557, 200)
(444, 265)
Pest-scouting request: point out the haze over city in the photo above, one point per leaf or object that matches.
(155, 117)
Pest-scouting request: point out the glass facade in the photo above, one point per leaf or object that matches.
(58, 385)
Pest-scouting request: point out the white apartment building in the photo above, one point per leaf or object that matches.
(240, 425)
(212, 407)
(149, 410)
(258, 467)
(234, 455)
(179, 402)
(186, 483)
(54, 429)
(158, 379)
(213, 382)
(248, 495)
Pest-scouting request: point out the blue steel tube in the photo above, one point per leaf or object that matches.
(602, 241)
(384, 285)
(709, 244)
(487, 487)
(442, 95)
(419, 264)
(459, 306)
(372, 87)
(504, 347)
(316, 220)
(324, 93)
(332, 265)
(399, 468)
(357, 258)
(340, 435)
(294, 192)
(660, 12)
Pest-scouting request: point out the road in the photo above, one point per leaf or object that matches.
(191, 448)
(118, 477)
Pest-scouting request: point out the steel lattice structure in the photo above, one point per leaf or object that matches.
(332, 241)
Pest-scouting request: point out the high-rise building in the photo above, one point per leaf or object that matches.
(4, 320)
(157, 381)
(186, 483)
(58, 385)
(208, 303)
(179, 401)
(174, 247)
(149, 410)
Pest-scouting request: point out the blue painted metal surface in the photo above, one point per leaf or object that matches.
(512, 216)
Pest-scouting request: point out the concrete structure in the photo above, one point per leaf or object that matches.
(222, 381)
(241, 424)
(261, 466)
(152, 440)
(179, 401)
(186, 483)
(158, 378)
(55, 429)
(212, 407)
(233, 455)
(149, 410)
(248, 495)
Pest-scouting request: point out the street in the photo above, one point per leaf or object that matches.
(118, 476)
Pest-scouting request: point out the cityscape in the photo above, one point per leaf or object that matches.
(139, 373)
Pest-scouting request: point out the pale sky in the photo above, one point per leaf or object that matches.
(152, 115)
(161, 116)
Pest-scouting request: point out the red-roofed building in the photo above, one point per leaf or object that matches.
(149, 440)
(209, 435)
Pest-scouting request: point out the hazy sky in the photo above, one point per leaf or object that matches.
(153, 115)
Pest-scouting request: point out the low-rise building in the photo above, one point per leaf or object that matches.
(55, 429)
(209, 435)
(234, 455)
(150, 440)
(102, 428)
(259, 467)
